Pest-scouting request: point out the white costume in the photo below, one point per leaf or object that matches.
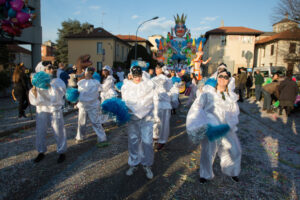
(210, 108)
(162, 108)
(89, 105)
(49, 110)
(108, 88)
(120, 75)
(39, 67)
(231, 84)
(193, 93)
(175, 95)
(139, 100)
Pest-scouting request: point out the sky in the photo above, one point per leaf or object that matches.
(124, 16)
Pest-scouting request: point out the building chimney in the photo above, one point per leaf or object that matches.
(90, 29)
(286, 15)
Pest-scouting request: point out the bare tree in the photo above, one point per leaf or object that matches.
(287, 7)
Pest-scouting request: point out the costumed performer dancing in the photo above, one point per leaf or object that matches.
(162, 106)
(138, 95)
(89, 105)
(216, 106)
(49, 104)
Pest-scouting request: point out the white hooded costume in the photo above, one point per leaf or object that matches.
(231, 84)
(162, 108)
(89, 105)
(139, 100)
(210, 108)
(49, 111)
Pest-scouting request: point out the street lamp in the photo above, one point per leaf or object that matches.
(135, 49)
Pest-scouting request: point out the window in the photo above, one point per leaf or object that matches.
(271, 64)
(99, 66)
(272, 50)
(264, 49)
(292, 48)
(99, 48)
(223, 40)
(123, 57)
(243, 53)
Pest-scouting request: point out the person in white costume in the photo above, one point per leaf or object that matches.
(89, 105)
(214, 107)
(231, 84)
(174, 93)
(107, 88)
(120, 74)
(138, 95)
(162, 106)
(49, 104)
(194, 88)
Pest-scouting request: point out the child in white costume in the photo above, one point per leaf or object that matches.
(89, 105)
(108, 84)
(138, 96)
(162, 107)
(49, 104)
(216, 106)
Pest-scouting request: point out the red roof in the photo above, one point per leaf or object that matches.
(292, 34)
(132, 38)
(17, 49)
(232, 30)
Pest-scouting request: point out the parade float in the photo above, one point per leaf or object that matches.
(180, 49)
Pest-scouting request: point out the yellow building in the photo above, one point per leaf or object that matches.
(233, 46)
(280, 47)
(103, 47)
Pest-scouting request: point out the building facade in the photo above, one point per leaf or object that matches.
(48, 49)
(131, 39)
(281, 47)
(103, 47)
(152, 40)
(231, 45)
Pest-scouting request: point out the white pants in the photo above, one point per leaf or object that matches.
(94, 117)
(228, 149)
(56, 120)
(140, 142)
(161, 127)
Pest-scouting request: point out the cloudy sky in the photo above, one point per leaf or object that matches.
(124, 16)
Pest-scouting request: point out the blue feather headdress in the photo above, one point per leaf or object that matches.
(41, 80)
(176, 79)
(119, 85)
(144, 65)
(97, 76)
(211, 81)
(117, 108)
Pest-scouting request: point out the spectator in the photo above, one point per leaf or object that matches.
(151, 72)
(268, 90)
(249, 84)
(61, 69)
(193, 90)
(259, 80)
(21, 88)
(242, 79)
(72, 82)
(120, 74)
(288, 90)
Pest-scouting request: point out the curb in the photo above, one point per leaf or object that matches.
(26, 126)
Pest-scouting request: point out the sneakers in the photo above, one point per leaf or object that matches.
(148, 171)
(131, 170)
(61, 158)
(159, 146)
(203, 180)
(40, 157)
(235, 179)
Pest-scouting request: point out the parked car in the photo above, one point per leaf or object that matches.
(271, 70)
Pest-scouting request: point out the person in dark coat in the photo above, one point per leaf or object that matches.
(288, 90)
(259, 80)
(21, 88)
(242, 79)
(269, 90)
(249, 84)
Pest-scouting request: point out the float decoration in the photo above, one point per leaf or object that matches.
(15, 15)
(178, 48)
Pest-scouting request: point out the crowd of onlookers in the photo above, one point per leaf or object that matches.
(278, 92)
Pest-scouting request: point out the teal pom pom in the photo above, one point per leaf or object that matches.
(41, 80)
(72, 95)
(119, 85)
(211, 81)
(117, 108)
(176, 79)
(215, 132)
(97, 76)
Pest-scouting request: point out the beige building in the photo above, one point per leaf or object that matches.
(281, 47)
(103, 47)
(233, 46)
(152, 40)
(131, 39)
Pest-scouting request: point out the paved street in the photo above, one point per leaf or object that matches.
(270, 164)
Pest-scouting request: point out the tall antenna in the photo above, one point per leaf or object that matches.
(102, 13)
